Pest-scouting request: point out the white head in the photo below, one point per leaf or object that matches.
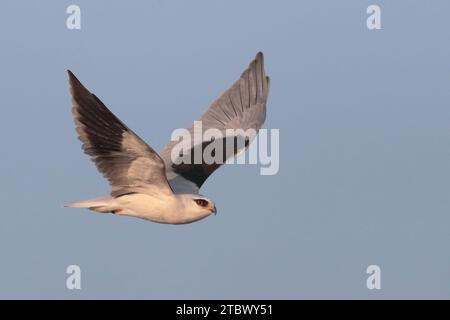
(196, 207)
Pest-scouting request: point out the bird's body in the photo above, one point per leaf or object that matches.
(162, 189)
(161, 208)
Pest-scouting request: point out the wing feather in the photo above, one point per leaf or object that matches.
(129, 164)
(242, 106)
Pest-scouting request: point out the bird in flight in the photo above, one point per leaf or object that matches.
(156, 187)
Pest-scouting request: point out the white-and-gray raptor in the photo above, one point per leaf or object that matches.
(153, 187)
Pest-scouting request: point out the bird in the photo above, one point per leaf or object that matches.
(152, 186)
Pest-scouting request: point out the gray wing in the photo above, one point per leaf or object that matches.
(120, 155)
(243, 106)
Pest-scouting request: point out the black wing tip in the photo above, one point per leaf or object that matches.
(260, 57)
(72, 77)
(73, 80)
(75, 85)
(257, 61)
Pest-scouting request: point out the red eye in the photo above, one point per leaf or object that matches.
(201, 202)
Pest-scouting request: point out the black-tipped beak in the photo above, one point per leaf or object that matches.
(214, 210)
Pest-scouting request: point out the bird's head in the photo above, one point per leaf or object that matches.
(197, 206)
(203, 204)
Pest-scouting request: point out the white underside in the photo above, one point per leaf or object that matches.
(168, 209)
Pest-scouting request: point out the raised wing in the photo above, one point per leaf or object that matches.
(120, 155)
(243, 106)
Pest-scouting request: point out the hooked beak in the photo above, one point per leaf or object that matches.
(214, 210)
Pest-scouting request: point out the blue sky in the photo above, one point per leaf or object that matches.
(364, 149)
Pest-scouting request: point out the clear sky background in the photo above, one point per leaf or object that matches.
(364, 119)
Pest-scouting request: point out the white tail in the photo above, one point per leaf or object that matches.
(104, 204)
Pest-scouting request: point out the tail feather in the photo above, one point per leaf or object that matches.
(104, 204)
